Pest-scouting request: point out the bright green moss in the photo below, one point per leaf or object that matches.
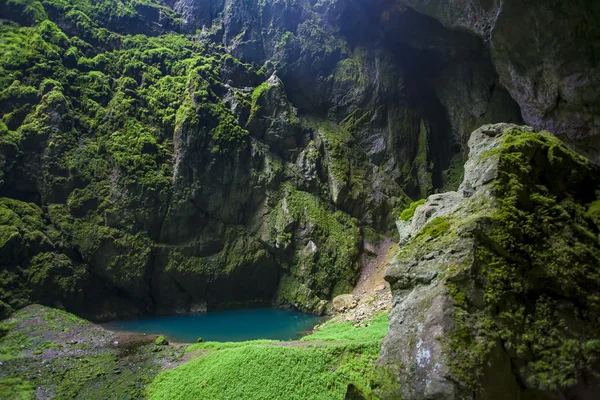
(16, 388)
(216, 346)
(161, 341)
(407, 214)
(539, 259)
(593, 212)
(435, 228)
(255, 98)
(263, 371)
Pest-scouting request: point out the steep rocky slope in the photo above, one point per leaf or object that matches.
(150, 174)
(495, 286)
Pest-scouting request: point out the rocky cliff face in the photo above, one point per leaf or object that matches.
(161, 173)
(160, 157)
(545, 54)
(494, 287)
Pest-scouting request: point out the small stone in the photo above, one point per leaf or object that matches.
(344, 301)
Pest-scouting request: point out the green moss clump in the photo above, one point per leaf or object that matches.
(16, 388)
(407, 214)
(435, 228)
(335, 234)
(258, 92)
(161, 341)
(593, 212)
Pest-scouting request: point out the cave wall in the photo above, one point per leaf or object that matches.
(545, 54)
(161, 163)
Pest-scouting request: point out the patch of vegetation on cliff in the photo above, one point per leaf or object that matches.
(333, 265)
(121, 131)
(104, 118)
(407, 214)
(374, 329)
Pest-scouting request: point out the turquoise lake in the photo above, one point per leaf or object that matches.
(223, 326)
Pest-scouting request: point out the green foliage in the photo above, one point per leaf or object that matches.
(262, 369)
(593, 212)
(336, 235)
(161, 341)
(216, 346)
(371, 330)
(258, 92)
(435, 228)
(39, 341)
(16, 388)
(407, 214)
(103, 109)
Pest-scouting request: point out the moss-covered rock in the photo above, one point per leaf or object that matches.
(161, 341)
(73, 358)
(495, 287)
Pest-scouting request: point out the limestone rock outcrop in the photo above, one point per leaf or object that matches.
(494, 288)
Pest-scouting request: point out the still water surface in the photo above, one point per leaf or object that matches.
(223, 326)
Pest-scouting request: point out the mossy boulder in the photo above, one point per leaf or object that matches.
(495, 286)
(161, 341)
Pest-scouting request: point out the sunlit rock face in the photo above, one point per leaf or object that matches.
(493, 288)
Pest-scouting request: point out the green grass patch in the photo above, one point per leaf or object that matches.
(270, 372)
(216, 346)
(267, 369)
(16, 388)
(347, 331)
